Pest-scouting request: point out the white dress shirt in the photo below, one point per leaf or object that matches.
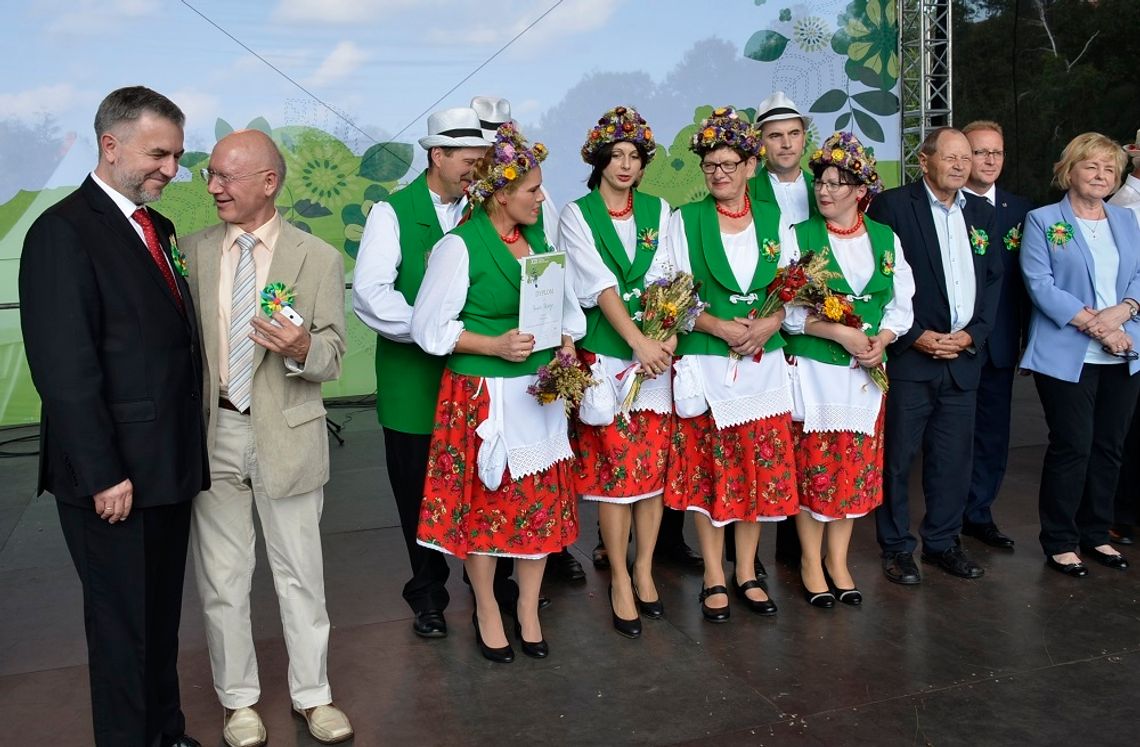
(792, 198)
(990, 194)
(957, 262)
(374, 297)
(1128, 196)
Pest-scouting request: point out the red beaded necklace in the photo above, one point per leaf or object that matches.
(624, 211)
(511, 237)
(847, 231)
(744, 211)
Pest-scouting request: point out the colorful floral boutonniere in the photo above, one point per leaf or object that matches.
(888, 266)
(979, 241)
(1059, 234)
(770, 250)
(275, 297)
(647, 239)
(1013, 239)
(178, 259)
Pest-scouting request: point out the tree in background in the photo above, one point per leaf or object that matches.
(1047, 70)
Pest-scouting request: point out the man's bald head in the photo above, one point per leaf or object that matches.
(248, 174)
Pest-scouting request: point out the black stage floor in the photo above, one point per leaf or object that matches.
(1021, 656)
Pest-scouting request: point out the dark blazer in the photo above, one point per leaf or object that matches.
(907, 211)
(1012, 318)
(117, 365)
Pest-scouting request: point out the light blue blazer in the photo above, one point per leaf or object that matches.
(1059, 280)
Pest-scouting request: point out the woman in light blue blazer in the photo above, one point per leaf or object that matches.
(1081, 263)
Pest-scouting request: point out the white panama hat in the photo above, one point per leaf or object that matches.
(778, 107)
(493, 112)
(454, 128)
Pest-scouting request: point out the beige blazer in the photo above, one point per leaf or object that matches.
(287, 410)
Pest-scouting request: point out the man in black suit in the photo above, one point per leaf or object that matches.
(934, 368)
(112, 344)
(1002, 350)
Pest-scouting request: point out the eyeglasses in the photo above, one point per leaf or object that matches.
(984, 154)
(1128, 355)
(226, 179)
(831, 186)
(727, 167)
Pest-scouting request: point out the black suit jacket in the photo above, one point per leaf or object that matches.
(116, 363)
(1012, 317)
(907, 211)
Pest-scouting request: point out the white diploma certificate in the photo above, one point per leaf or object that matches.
(540, 298)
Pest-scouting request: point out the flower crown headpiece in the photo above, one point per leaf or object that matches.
(844, 151)
(726, 127)
(511, 158)
(618, 124)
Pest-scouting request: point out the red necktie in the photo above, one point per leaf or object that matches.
(142, 217)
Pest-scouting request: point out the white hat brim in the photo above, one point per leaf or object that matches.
(444, 141)
(786, 115)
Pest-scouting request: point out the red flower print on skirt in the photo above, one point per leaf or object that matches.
(623, 460)
(533, 516)
(741, 473)
(840, 473)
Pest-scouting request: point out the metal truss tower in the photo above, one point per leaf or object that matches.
(925, 44)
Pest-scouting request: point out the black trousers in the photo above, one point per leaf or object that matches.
(132, 575)
(1088, 421)
(1128, 484)
(991, 441)
(938, 416)
(407, 457)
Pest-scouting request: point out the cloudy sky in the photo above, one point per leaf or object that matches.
(367, 70)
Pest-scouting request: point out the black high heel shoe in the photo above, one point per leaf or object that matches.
(652, 610)
(851, 597)
(760, 607)
(628, 628)
(714, 614)
(538, 650)
(504, 655)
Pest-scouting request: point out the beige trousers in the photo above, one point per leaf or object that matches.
(222, 544)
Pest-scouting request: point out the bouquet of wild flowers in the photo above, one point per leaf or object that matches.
(837, 308)
(564, 377)
(669, 306)
(800, 283)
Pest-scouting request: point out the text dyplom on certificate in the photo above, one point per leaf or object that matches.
(540, 299)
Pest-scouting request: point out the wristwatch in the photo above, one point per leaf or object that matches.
(1133, 309)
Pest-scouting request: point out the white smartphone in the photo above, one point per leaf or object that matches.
(289, 313)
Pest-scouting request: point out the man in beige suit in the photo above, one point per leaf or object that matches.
(265, 431)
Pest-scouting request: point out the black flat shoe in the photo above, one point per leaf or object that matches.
(822, 599)
(1121, 534)
(504, 655)
(899, 568)
(1073, 570)
(538, 650)
(764, 607)
(680, 555)
(955, 562)
(430, 624)
(713, 614)
(564, 566)
(1108, 560)
(851, 597)
(652, 610)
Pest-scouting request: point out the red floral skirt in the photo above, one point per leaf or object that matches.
(624, 461)
(741, 473)
(840, 473)
(526, 518)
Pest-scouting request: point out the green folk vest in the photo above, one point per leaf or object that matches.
(492, 306)
(601, 337)
(870, 305)
(407, 378)
(760, 190)
(712, 270)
